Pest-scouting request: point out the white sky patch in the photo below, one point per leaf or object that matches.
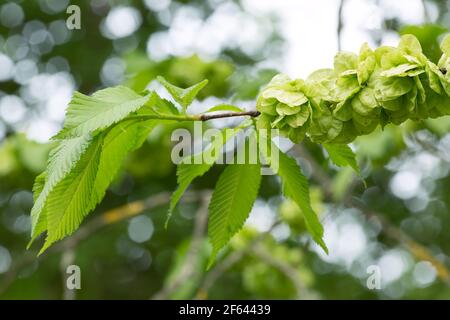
(356, 27)
(121, 22)
(424, 274)
(52, 94)
(261, 217)
(6, 67)
(393, 265)
(113, 71)
(41, 130)
(158, 48)
(407, 11)
(309, 28)
(281, 232)
(25, 70)
(227, 27)
(345, 238)
(56, 105)
(405, 184)
(12, 109)
(157, 5)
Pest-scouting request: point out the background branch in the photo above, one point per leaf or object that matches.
(289, 271)
(189, 266)
(340, 24)
(230, 260)
(419, 251)
(194, 117)
(206, 117)
(103, 220)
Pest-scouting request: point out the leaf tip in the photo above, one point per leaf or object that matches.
(322, 244)
(212, 260)
(161, 79)
(29, 244)
(44, 248)
(169, 216)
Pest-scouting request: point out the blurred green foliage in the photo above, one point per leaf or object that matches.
(114, 266)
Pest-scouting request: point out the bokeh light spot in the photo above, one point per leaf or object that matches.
(140, 229)
(6, 67)
(122, 22)
(12, 109)
(11, 15)
(5, 259)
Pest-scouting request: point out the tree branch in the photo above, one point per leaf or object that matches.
(206, 117)
(426, 14)
(194, 117)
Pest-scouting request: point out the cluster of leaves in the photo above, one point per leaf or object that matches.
(102, 129)
(376, 87)
(330, 107)
(98, 133)
(237, 189)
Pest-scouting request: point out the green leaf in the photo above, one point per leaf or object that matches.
(193, 167)
(445, 45)
(183, 96)
(156, 104)
(342, 155)
(231, 203)
(83, 185)
(225, 107)
(62, 160)
(295, 187)
(88, 114)
(118, 143)
(71, 199)
(185, 175)
(38, 185)
(40, 224)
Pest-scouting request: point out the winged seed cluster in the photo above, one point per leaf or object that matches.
(386, 85)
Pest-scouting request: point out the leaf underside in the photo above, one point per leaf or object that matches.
(342, 155)
(296, 187)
